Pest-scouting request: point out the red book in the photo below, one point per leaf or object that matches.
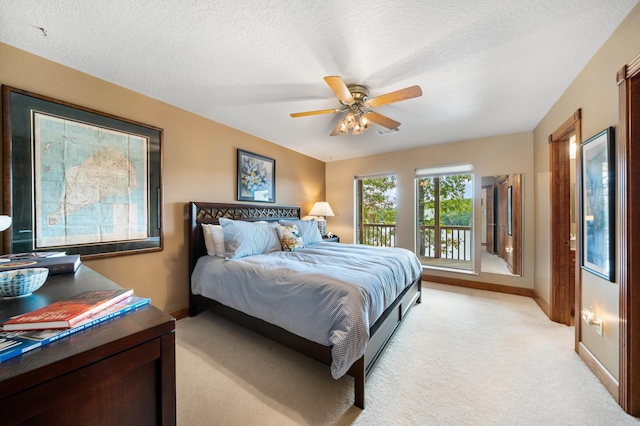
(67, 313)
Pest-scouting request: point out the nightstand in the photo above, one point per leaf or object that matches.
(331, 239)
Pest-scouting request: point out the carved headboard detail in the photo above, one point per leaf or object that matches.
(200, 213)
(207, 213)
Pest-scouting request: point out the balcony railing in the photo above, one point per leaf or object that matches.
(379, 234)
(454, 242)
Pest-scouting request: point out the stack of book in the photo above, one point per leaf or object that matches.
(33, 329)
(58, 262)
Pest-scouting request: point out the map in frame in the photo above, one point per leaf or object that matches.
(90, 183)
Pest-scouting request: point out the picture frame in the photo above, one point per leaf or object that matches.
(597, 198)
(510, 210)
(78, 180)
(256, 177)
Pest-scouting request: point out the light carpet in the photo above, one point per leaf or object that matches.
(461, 357)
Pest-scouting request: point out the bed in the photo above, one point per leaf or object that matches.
(352, 349)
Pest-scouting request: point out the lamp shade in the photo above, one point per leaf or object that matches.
(321, 208)
(5, 222)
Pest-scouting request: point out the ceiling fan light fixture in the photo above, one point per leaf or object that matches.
(350, 120)
(342, 128)
(357, 129)
(365, 123)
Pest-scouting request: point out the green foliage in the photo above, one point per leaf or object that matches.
(455, 209)
(379, 199)
(379, 207)
(458, 218)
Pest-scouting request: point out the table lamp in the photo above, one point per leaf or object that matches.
(321, 209)
(5, 222)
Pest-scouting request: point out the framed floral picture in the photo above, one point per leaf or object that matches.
(256, 177)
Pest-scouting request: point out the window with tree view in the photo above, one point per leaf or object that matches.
(444, 218)
(376, 211)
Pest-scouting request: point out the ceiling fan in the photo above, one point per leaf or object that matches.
(356, 103)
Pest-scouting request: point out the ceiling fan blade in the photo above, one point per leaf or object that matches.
(397, 96)
(382, 120)
(320, 111)
(340, 89)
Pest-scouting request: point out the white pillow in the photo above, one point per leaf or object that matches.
(213, 239)
(243, 238)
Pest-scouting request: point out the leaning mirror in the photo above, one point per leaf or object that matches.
(501, 226)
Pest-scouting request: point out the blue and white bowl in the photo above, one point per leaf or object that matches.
(22, 282)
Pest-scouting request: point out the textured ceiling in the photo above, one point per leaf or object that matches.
(486, 67)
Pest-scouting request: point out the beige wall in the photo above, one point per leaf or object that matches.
(199, 165)
(596, 93)
(500, 155)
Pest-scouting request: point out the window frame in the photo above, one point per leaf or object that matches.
(440, 172)
(358, 214)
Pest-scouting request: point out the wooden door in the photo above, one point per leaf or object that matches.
(562, 277)
(516, 237)
(503, 227)
(628, 158)
(490, 218)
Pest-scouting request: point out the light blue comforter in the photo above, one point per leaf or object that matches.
(328, 293)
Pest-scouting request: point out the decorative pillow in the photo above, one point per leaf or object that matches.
(214, 239)
(308, 230)
(243, 239)
(290, 237)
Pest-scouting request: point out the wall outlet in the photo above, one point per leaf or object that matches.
(599, 328)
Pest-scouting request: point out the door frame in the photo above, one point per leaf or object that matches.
(628, 154)
(560, 304)
(516, 238)
(501, 224)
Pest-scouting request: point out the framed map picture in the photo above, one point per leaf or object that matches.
(81, 181)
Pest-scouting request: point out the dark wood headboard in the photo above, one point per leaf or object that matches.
(200, 213)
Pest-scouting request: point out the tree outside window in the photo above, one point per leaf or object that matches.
(444, 207)
(377, 210)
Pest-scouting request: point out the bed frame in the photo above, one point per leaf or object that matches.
(380, 333)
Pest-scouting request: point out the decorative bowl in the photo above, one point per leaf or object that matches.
(22, 282)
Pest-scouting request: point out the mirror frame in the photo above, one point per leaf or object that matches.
(507, 221)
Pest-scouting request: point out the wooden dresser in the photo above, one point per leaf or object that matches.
(120, 372)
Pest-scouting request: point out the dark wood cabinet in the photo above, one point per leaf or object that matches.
(119, 372)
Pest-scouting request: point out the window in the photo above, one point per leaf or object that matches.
(376, 210)
(444, 234)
